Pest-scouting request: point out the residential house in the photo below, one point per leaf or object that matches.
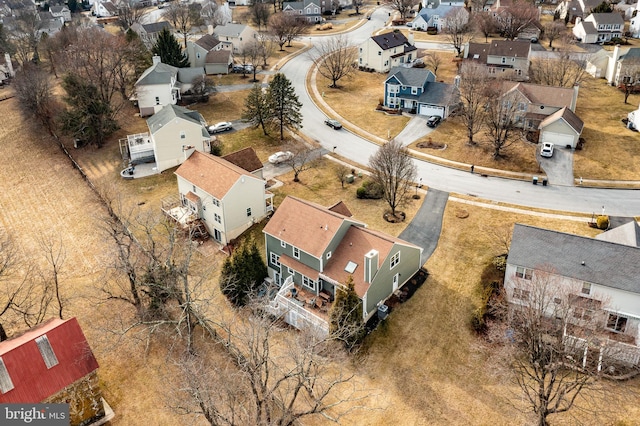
(537, 102)
(596, 63)
(623, 66)
(312, 250)
(437, 17)
(633, 120)
(562, 128)
(212, 54)
(6, 69)
(61, 12)
(149, 33)
(227, 198)
(385, 51)
(174, 133)
(48, 24)
(600, 276)
(104, 9)
(416, 90)
(433, 4)
(508, 58)
(19, 7)
(576, 8)
(238, 35)
(307, 9)
(246, 159)
(634, 22)
(52, 363)
(599, 27)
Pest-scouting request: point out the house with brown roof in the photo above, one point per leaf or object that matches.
(385, 51)
(537, 102)
(226, 198)
(52, 363)
(562, 128)
(312, 250)
(246, 159)
(504, 58)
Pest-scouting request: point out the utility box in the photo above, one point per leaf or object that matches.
(383, 312)
(350, 178)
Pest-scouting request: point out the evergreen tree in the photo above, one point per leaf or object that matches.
(256, 108)
(604, 7)
(345, 317)
(242, 273)
(284, 103)
(169, 50)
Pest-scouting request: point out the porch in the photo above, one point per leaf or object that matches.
(301, 308)
(604, 351)
(137, 148)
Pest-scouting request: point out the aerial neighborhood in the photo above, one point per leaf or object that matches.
(315, 212)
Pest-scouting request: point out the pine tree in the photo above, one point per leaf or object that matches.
(169, 50)
(284, 103)
(242, 274)
(345, 317)
(256, 108)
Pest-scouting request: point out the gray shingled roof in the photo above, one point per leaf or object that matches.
(589, 28)
(157, 74)
(442, 94)
(229, 30)
(156, 27)
(605, 263)
(569, 116)
(608, 18)
(390, 40)
(208, 42)
(413, 77)
(168, 113)
(632, 54)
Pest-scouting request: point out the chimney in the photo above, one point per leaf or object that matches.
(370, 265)
(156, 60)
(410, 38)
(574, 100)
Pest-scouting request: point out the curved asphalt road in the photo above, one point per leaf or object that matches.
(618, 202)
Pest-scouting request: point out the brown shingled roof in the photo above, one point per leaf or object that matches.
(569, 116)
(507, 48)
(218, 57)
(341, 207)
(245, 158)
(544, 95)
(213, 174)
(207, 42)
(390, 40)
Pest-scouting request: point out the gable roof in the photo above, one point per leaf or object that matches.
(33, 382)
(110, 7)
(390, 40)
(413, 77)
(188, 74)
(212, 174)
(627, 234)
(568, 116)
(543, 95)
(605, 263)
(341, 207)
(156, 27)
(507, 48)
(159, 73)
(246, 159)
(208, 42)
(306, 225)
(632, 54)
(59, 9)
(229, 30)
(608, 18)
(168, 112)
(218, 57)
(442, 94)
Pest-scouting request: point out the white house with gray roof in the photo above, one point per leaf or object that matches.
(599, 27)
(601, 276)
(238, 35)
(307, 9)
(149, 33)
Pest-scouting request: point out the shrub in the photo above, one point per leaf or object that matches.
(361, 192)
(603, 222)
(500, 262)
(369, 190)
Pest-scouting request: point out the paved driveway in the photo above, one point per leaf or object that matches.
(559, 168)
(415, 129)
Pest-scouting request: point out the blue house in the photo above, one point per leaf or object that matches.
(416, 90)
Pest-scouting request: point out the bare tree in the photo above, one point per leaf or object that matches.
(565, 69)
(183, 17)
(458, 29)
(501, 112)
(473, 81)
(211, 14)
(55, 255)
(433, 61)
(335, 58)
(303, 159)
(26, 36)
(553, 31)
(402, 6)
(485, 24)
(260, 14)
(554, 329)
(393, 169)
(357, 4)
(297, 28)
(250, 54)
(630, 77)
(342, 172)
(279, 26)
(267, 47)
(514, 18)
(33, 87)
(129, 12)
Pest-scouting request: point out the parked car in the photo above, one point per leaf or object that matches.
(248, 68)
(223, 126)
(434, 120)
(546, 150)
(280, 157)
(335, 124)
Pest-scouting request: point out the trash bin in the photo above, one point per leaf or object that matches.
(544, 182)
(535, 180)
(383, 312)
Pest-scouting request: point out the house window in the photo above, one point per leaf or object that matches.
(586, 288)
(583, 314)
(503, 60)
(518, 72)
(193, 188)
(524, 273)
(296, 252)
(283, 244)
(198, 55)
(5, 380)
(513, 59)
(395, 259)
(414, 90)
(522, 106)
(157, 100)
(215, 201)
(521, 294)
(183, 135)
(617, 323)
(217, 218)
(557, 301)
(248, 211)
(290, 271)
(394, 88)
(275, 259)
(328, 255)
(308, 282)
(46, 351)
(379, 53)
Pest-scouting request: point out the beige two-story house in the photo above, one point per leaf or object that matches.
(385, 51)
(504, 58)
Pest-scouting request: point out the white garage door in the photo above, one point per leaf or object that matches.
(558, 139)
(431, 110)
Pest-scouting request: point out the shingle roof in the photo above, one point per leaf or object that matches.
(627, 234)
(569, 116)
(245, 158)
(413, 77)
(507, 48)
(58, 9)
(208, 42)
(229, 30)
(341, 207)
(588, 27)
(156, 27)
(390, 40)
(442, 94)
(605, 263)
(168, 113)
(218, 57)
(543, 95)
(213, 174)
(632, 54)
(158, 74)
(187, 75)
(608, 18)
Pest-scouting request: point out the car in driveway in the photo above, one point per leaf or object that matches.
(546, 150)
(433, 121)
(223, 126)
(280, 157)
(334, 124)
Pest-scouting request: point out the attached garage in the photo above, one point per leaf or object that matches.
(431, 110)
(562, 128)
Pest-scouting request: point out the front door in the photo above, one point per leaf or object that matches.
(276, 278)
(396, 279)
(217, 235)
